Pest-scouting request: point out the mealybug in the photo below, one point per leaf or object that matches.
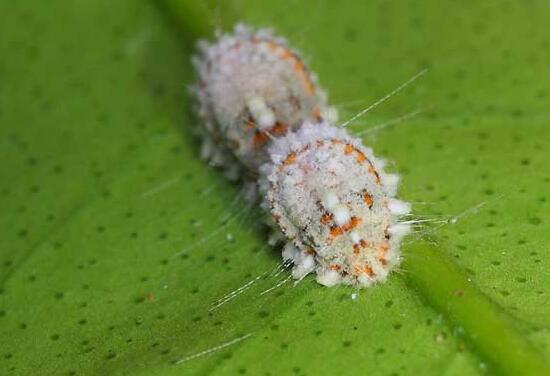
(253, 87)
(328, 196)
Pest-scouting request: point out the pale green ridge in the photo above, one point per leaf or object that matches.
(489, 329)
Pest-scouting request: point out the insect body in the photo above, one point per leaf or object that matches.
(252, 88)
(327, 195)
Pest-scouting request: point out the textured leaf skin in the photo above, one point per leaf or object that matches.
(101, 190)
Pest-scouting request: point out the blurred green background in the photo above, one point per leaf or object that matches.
(116, 239)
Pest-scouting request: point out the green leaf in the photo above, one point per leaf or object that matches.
(116, 240)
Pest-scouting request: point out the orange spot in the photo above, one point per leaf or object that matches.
(259, 139)
(373, 172)
(290, 159)
(353, 222)
(287, 55)
(336, 231)
(358, 246)
(335, 267)
(369, 271)
(339, 230)
(367, 197)
(279, 129)
(326, 218)
(361, 157)
(297, 65)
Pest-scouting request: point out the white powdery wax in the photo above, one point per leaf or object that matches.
(334, 203)
(252, 88)
(328, 196)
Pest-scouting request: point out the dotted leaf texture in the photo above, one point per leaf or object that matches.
(116, 240)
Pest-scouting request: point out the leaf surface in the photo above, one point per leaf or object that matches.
(116, 240)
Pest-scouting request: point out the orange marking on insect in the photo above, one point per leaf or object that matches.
(335, 267)
(352, 223)
(259, 139)
(279, 129)
(290, 159)
(292, 156)
(336, 231)
(358, 246)
(340, 230)
(361, 157)
(367, 197)
(326, 218)
(297, 65)
(373, 172)
(369, 271)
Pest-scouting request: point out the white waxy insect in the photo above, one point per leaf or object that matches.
(332, 200)
(252, 88)
(329, 198)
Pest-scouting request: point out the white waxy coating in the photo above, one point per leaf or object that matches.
(254, 87)
(328, 278)
(327, 196)
(341, 215)
(399, 207)
(330, 200)
(262, 115)
(355, 237)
